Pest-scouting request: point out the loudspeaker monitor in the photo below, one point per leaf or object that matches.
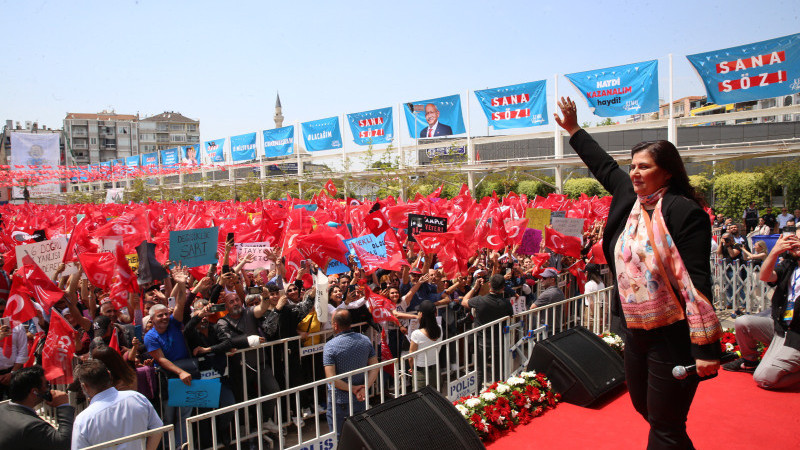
(579, 364)
(420, 420)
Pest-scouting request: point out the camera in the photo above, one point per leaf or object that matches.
(219, 307)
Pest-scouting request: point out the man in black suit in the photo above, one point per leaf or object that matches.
(434, 128)
(20, 427)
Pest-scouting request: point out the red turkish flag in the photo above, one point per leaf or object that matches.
(515, 229)
(19, 307)
(561, 243)
(331, 188)
(496, 237)
(42, 287)
(99, 268)
(381, 307)
(114, 342)
(321, 246)
(577, 270)
(598, 257)
(80, 240)
(59, 349)
(376, 222)
(538, 259)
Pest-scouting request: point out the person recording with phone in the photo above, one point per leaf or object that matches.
(21, 428)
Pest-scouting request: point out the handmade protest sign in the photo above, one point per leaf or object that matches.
(194, 248)
(568, 225)
(538, 218)
(260, 260)
(531, 242)
(46, 254)
(369, 243)
(201, 393)
(418, 223)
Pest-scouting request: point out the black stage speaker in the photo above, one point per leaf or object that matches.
(419, 420)
(579, 364)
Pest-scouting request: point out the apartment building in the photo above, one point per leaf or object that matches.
(167, 130)
(100, 137)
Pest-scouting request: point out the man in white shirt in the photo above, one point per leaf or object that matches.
(19, 352)
(784, 217)
(111, 414)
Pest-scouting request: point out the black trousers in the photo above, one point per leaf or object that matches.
(660, 398)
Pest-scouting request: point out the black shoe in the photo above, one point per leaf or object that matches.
(741, 365)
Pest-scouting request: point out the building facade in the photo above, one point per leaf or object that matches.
(99, 137)
(167, 130)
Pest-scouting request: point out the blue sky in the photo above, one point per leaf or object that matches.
(223, 62)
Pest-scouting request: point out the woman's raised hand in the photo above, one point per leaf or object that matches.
(570, 113)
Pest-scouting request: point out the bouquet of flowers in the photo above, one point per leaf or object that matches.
(504, 405)
(614, 342)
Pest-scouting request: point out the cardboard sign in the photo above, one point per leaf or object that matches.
(430, 224)
(336, 267)
(370, 243)
(538, 218)
(194, 248)
(47, 254)
(260, 260)
(568, 226)
(201, 394)
(531, 242)
(518, 304)
(558, 214)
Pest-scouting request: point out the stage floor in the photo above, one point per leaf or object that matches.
(728, 412)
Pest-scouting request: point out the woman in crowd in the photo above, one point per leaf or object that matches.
(428, 333)
(756, 257)
(123, 375)
(657, 243)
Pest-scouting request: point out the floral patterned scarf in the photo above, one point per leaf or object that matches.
(649, 267)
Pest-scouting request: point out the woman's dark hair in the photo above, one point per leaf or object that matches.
(428, 320)
(120, 370)
(666, 156)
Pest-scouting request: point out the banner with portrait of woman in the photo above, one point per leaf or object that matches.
(435, 117)
(620, 90)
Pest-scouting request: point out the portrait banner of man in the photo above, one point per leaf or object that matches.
(435, 117)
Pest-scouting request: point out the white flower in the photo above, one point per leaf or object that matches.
(609, 340)
(463, 410)
(489, 396)
(516, 381)
(549, 385)
(502, 388)
(728, 347)
(530, 374)
(472, 402)
(513, 413)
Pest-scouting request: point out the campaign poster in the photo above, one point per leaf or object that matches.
(436, 117)
(322, 134)
(169, 157)
(190, 155)
(150, 159)
(132, 161)
(620, 90)
(215, 151)
(749, 72)
(31, 150)
(418, 223)
(372, 127)
(517, 106)
(243, 147)
(279, 141)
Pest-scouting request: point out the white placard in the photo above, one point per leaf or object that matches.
(260, 260)
(569, 226)
(518, 304)
(47, 254)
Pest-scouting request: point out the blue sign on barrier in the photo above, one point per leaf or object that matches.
(201, 393)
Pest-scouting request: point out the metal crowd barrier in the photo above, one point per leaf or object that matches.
(737, 286)
(497, 350)
(139, 437)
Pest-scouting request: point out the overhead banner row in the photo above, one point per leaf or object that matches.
(748, 72)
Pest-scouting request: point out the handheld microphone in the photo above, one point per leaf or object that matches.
(681, 372)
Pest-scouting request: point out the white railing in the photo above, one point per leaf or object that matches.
(738, 286)
(141, 438)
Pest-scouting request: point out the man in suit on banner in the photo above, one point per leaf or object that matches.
(434, 128)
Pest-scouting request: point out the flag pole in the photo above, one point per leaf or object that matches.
(558, 142)
(671, 128)
(470, 148)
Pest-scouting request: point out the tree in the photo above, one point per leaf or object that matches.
(574, 187)
(735, 191)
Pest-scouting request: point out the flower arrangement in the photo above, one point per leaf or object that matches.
(614, 342)
(504, 405)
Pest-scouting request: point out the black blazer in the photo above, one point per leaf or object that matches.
(441, 130)
(22, 429)
(686, 221)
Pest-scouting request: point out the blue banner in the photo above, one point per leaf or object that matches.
(169, 157)
(436, 117)
(518, 106)
(243, 147)
(372, 127)
(190, 155)
(150, 159)
(132, 161)
(214, 151)
(322, 134)
(620, 90)
(751, 72)
(279, 141)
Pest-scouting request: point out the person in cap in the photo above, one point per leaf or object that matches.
(486, 309)
(550, 291)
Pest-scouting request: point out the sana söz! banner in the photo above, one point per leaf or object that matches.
(749, 72)
(215, 151)
(620, 90)
(517, 106)
(372, 127)
(322, 134)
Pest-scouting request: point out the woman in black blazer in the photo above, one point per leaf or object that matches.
(666, 318)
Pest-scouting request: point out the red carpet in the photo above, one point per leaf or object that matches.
(728, 412)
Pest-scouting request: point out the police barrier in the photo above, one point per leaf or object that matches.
(141, 438)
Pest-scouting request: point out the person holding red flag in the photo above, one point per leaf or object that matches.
(657, 242)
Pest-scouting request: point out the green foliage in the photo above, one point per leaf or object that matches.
(589, 186)
(608, 121)
(422, 189)
(735, 191)
(780, 176)
(532, 188)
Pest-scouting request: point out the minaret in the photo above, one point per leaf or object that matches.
(278, 116)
